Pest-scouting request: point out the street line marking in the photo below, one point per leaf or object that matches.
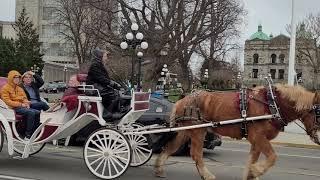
(14, 178)
(280, 154)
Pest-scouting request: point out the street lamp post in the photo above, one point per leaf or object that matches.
(239, 81)
(206, 77)
(65, 69)
(134, 41)
(35, 68)
(164, 75)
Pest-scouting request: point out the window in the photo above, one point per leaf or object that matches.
(299, 73)
(50, 30)
(281, 58)
(273, 58)
(48, 13)
(273, 73)
(255, 58)
(281, 73)
(254, 73)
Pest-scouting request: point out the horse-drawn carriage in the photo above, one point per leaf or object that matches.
(256, 114)
(116, 151)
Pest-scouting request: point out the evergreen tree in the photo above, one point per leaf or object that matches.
(7, 56)
(27, 44)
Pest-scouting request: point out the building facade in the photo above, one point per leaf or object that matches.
(54, 47)
(6, 30)
(265, 55)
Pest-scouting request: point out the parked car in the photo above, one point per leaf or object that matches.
(159, 111)
(62, 86)
(50, 87)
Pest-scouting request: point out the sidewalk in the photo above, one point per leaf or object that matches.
(288, 139)
(295, 139)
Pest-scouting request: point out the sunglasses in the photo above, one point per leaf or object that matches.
(17, 77)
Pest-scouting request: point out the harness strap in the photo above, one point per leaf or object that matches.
(243, 110)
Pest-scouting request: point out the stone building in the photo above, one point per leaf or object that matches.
(54, 47)
(265, 54)
(6, 30)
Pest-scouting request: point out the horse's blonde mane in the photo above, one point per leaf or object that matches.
(303, 99)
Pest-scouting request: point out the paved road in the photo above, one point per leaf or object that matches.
(227, 162)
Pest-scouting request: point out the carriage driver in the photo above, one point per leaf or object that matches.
(15, 97)
(99, 77)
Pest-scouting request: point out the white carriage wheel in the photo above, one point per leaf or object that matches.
(107, 153)
(18, 147)
(141, 149)
(1, 138)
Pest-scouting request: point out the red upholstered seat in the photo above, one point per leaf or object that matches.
(82, 77)
(3, 81)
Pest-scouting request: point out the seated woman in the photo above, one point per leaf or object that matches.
(69, 95)
(14, 96)
(31, 83)
(99, 77)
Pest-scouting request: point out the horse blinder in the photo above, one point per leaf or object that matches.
(316, 109)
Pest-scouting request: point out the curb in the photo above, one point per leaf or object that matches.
(296, 145)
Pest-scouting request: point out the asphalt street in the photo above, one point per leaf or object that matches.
(226, 162)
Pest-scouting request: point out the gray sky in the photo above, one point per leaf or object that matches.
(275, 14)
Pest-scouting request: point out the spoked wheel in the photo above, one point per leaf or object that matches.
(107, 153)
(141, 150)
(18, 147)
(1, 138)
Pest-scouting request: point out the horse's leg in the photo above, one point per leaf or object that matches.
(197, 139)
(253, 158)
(170, 148)
(261, 167)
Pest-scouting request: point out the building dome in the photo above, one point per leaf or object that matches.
(259, 35)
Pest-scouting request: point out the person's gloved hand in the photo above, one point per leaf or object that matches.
(115, 85)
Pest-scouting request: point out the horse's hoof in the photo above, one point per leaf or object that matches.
(159, 173)
(256, 171)
(212, 177)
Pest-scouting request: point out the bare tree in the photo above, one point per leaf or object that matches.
(77, 18)
(308, 44)
(180, 26)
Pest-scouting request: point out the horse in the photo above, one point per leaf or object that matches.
(294, 103)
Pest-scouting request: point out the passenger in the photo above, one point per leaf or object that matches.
(31, 84)
(99, 77)
(14, 96)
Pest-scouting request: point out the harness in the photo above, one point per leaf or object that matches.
(271, 103)
(243, 105)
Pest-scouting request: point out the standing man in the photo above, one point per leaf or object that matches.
(31, 84)
(14, 96)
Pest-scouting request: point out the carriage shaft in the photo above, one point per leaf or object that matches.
(205, 125)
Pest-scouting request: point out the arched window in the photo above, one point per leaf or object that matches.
(281, 58)
(255, 58)
(273, 58)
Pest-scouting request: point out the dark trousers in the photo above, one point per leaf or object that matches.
(39, 106)
(32, 119)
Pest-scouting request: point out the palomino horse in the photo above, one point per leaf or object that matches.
(294, 103)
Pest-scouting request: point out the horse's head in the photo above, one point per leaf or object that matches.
(311, 120)
(295, 102)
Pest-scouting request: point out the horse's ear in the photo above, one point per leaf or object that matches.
(317, 98)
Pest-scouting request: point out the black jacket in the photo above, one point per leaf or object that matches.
(36, 84)
(97, 73)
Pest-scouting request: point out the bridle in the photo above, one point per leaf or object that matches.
(316, 123)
